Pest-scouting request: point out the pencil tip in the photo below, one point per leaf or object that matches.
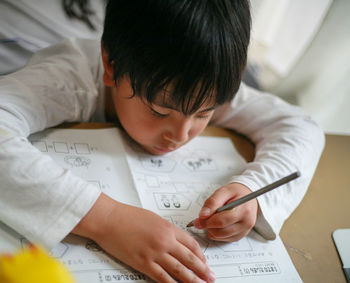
(190, 224)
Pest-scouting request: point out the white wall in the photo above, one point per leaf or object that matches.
(319, 77)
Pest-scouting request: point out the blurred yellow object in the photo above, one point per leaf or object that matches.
(32, 265)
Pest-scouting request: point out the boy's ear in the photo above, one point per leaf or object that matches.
(108, 78)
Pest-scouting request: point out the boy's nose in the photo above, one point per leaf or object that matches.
(178, 132)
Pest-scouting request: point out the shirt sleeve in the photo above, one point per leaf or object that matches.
(39, 199)
(286, 140)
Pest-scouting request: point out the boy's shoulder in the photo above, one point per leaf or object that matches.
(71, 50)
(73, 59)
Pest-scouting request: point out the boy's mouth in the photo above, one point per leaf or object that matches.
(163, 150)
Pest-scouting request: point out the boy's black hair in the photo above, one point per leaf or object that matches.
(198, 48)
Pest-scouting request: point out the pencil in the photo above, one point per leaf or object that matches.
(255, 194)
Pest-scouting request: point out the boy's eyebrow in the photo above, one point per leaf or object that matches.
(165, 105)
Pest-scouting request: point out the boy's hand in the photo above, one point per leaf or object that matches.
(145, 241)
(230, 225)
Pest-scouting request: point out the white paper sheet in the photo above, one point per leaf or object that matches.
(174, 186)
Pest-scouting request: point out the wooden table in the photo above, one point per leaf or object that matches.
(307, 233)
(325, 208)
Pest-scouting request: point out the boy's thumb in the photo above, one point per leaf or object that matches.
(216, 200)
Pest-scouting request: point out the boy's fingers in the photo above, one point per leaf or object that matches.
(216, 200)
(158, 274)
(221, 233)
(244, 214)
(223, 219)
(192, 257)
(185, 268)
(233, 238)
(191, 244)
(192, 262)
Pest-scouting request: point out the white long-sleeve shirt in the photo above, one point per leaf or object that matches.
(62, 83)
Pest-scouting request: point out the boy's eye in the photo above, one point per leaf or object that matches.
(204, 115)
(157, 114)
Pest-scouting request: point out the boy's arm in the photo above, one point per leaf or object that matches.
(39, 199)
(286, 140)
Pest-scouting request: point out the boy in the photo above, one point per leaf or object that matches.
(168, 69)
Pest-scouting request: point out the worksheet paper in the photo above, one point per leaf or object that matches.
(174, 186)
